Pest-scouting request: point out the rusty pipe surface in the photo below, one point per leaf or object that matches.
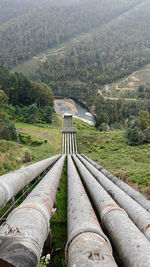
(136, 212)
(12, 182)
(28, 225)
(132, 246)
(137, 196)
(88, 250)
(87, 244)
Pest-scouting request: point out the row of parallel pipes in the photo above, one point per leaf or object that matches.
(27, 227)
(87, 244)
(137, 196)
(12, 182)
(136, 212)
(133, 247)
(23, 234)
(69, 145)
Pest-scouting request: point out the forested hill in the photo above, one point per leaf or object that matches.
(10, 9)
(29, 27)
(115, 50)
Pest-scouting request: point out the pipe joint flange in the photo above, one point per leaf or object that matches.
(110, 208)
(7, 190)
(88, 234)
(34, 206)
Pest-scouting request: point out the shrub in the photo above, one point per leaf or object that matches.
(134, 136)
(48, 114)
(24, 138)
(144, 119)
(32, 113)
(103, 127)
(29, 140)
(102, 118)
(138, 130)
(7, 130)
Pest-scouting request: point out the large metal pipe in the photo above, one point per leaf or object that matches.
(136, 212)
(137, 196)
(12, 182)
(132, 246)
(27, 227)
(76, 151)
(65, 144)
(62, 143)
(87, 244)
(70, 143)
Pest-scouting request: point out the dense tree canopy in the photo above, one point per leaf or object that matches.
(138, 128)
(117, 44)
(3, 97)
(42, 94)
(118, 49)
(21, 91)
(52, 23)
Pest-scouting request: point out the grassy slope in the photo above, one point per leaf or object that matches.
(126, 86)
(110, 149)
(12, 154)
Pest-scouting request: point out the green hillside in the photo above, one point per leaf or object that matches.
(110, 149)
(127, 86)
(96, 52)
(84, 64)
(53, 23)
(36, 142)
(110, 53)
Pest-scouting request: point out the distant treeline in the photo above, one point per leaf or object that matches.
(118, 49)
(119, 45)
(21, 91)
(44, 24)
